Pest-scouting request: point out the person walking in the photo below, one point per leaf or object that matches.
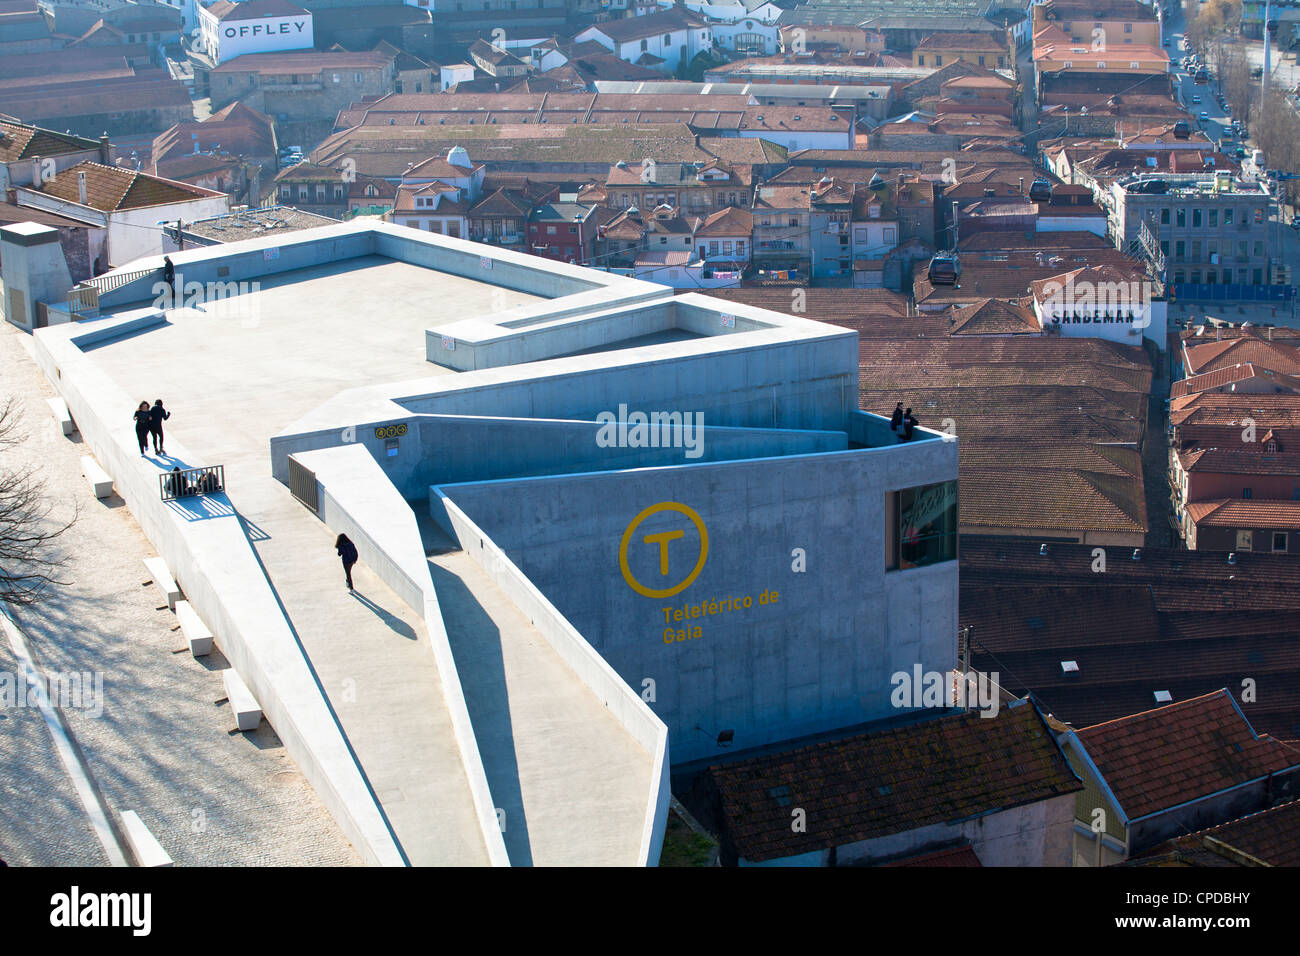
(896, 420)
(157, 415)
(348, 552)
(142, 428)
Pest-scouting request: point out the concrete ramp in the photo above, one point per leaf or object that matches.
(572, 782)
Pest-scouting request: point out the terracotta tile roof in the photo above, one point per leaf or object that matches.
(306, 61)
(849, 308)
(1270, 837)
(1233, 374)
(225, 10)
(1209, 356)
(961, 41)
(21, 141)
(780, 198)
(111, 188)
(1234, 459)
(1181, 752)
(1182, 621)
(957, 856)
(942, 770)
(732, 221)
(1008, 275)
(1270, 514)
(634, 28)
(994, 317)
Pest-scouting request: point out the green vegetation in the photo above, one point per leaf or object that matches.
(683, 846)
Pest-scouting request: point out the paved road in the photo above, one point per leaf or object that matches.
(160, 746)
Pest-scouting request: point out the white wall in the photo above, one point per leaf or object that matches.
(225, 40)
(133, 233)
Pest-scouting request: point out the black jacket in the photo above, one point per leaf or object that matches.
(896, 419)
(348, 552)
(157, 415)
(141, 420)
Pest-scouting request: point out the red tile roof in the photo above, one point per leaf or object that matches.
(1233, 374)
(1184, 751)
(941, 770)
(111, 188)
(1209, 356)
(957, 856)
(1264, 513)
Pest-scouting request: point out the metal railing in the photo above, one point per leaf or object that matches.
(115, 280)
(83, 300)
(192, 482)
(302, 485)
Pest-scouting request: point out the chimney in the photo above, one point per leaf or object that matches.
(81, 187)
(105, 149)
(36, 172)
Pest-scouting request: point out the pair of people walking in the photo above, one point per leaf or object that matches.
(902, 423)
(148, 421)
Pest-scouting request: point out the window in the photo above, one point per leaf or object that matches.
(550, 230)
(726, 247)
(1270, 447)
(1128, 28)
(981, 61)
(1164, 248)
(338, 191)
(888, 234)
(1211, 276)
(1164, 216)
(1246, 494)
(644, 46)
(1259, 247)
(573, 229)
(1180, 250)
(668, 39)
(286, 192)
(920, 59)
(1196, 250)
(1259, 214)
(926, 526)
(1279, 541)
(713, 248)
(1196, 219)
(302, 193)
(740, 247)
(938, 61)
(1180, 218)
(1227, 216)
(1245, 540)
(1196, 277)
(1214, 218)
(356, 77)
(794, 220)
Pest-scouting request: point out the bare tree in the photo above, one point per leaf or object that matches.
(29, 559)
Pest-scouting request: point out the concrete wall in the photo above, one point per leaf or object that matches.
(769, 381)
(443, 449)
(216, 566)
(624, 705)
(356, 500)
(818, 659)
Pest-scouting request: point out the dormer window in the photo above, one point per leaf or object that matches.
(1270, 448)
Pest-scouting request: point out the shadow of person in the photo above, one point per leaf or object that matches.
(392, 620)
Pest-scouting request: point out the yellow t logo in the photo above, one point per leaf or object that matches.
(662, 538)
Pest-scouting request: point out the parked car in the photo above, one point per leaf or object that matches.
(1205, 117)
(1196, 101)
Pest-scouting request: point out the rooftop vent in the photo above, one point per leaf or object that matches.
(1137, 554)
(1232, 557)
(1164, 697)
(1043, 550)
(1069, 667)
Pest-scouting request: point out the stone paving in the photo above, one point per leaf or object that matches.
(161, 746)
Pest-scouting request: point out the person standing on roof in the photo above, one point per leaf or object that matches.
(348, 552)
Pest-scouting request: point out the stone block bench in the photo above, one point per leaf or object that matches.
(61, 414)
(148, 851)
(100, 483)
(248, 712)
(196, 632)
(157, 568)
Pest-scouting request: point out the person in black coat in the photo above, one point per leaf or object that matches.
(909, 424)
(348, 552)
(896, 420)
(141, 417)
(157, 415)
(169, 276)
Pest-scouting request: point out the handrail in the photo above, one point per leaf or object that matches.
(115, 280)
(189, 482)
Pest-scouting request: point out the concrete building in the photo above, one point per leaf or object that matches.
(229, 29)
(1209, 230)
(548, 608)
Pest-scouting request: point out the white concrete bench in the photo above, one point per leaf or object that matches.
(61, 414)
(157, 568)
(148, 851)
(196, 632)
(100, 483)
(248, 713)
